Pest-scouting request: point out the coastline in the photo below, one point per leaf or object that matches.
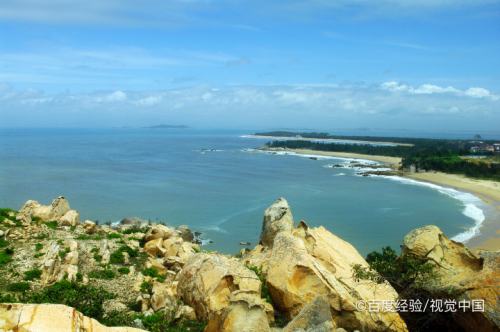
(487, 191)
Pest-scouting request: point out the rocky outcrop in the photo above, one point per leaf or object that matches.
(303, 263)
(224, 292)
(460, 272)
(50, 317)
(277, 218)
(58, 211)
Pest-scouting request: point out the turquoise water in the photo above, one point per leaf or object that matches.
(164, 175)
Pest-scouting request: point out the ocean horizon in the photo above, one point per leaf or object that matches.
(215, 182)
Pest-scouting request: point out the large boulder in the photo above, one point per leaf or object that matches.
(70, 218)
(303, 263)
(223, 292)
(458, 270)
(277, 218)
(50, 317)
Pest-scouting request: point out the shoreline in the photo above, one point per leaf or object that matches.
(331, 140)
(487, 191)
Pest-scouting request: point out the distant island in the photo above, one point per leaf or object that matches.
(167, 126)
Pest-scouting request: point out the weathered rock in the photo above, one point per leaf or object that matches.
(185, 233)
(303, 263)
(468, 276)
(164, 296)
(312, 317)
(70, 218)
(224, 292)
(246, 313)
(158, 232)
(154, 247)
(50, 317)
(89, 227)
(277, 218)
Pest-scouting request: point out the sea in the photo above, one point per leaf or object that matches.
(217, 183)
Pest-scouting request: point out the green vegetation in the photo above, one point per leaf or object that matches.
(117, 256)
(134, 229)
(51, 224)
(63, 252)
(18, 287)
(38, 246)
(3, 243)
(111, 236)
(6, 214)
(102, 274)
(6, 256)
(153, 273)
(443, 155)
(32, 274)
(95, 237)
(146, 287)
(158, 322)
(403, 272)
(123, 270)
(86, 299)
(409, 276)
(265, 290)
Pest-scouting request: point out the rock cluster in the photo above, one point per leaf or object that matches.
(50, 317)
(297, 279)
(303, 263)
(461, 272)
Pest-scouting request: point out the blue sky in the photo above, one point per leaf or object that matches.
(416, 64)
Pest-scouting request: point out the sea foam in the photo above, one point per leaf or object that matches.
(470, 202)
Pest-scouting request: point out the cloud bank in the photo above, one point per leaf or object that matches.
(257, 106)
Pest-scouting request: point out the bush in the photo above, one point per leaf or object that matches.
(111, 236)
(18, 287)
(102, 274)
(124, 270)
(32, 274)
(265, 294)
(6, 256)
(86, 299)
(146, 287)
(38, 247)
(3, 243)
(51, 224)
(117, 256)
(153, 273)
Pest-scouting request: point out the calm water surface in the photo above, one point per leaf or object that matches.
(165, 175)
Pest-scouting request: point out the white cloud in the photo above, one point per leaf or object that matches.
(115, 96)
(299, 105)
(428, 89)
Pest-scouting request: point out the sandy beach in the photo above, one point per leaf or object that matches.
(487, 190)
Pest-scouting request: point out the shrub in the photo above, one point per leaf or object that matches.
(146, 287)
(117, 256)
(111, 236)
(32, 274)
(7, 298)
(134, 229)
(3, 243)
(51, 224)
(86, 299)
(6, 256)
(38, 247)
(102, 274)
(18, 286)
(62, 253)
(153, 273)
(265, 294)
(124, 270)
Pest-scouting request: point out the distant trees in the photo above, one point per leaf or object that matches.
(424, 154)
